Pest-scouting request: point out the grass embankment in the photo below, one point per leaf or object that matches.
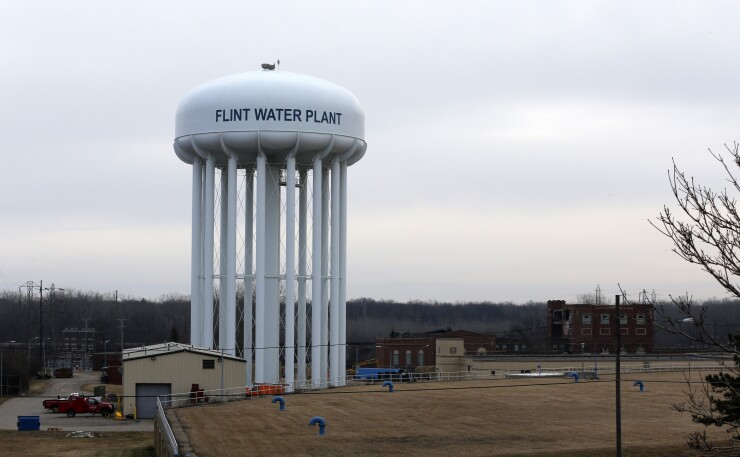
(511, 417)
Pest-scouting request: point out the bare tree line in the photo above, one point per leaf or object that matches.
(149, 322)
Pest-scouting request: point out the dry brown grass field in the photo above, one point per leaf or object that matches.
(114, 444)
(555, 417)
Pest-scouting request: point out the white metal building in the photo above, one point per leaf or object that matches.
(170, 368)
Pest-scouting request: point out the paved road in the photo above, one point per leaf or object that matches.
(31, 406)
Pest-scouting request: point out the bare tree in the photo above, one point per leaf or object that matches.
(706, 232)
(711, 235)
(588, 298)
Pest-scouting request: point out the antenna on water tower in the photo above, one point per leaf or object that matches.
(271, 66)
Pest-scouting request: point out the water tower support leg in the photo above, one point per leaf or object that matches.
(223, 317)
(336, 375)
(343, 272)
(290, 273)
(248, 270)
(302, 251)
(325, 189)
(208, 239)
(272, 275)
(196, 249)
(259, 311)
(316, 276)
(230, 314)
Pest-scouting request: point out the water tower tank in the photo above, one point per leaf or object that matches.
(272, 111)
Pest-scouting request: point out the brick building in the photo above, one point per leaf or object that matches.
(405, 352)
(419, 350)
(577, 328)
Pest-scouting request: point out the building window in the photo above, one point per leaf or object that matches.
(524, 348)
(453, 350)
(420, 359)
(394, 361)
(585, 331)
(604, 319)
(557, 316)
(516, 348)
(503, 347)
(640, 331)
(408, 357)
(604, 331)
(640, 318)
(586, 318)
(622, 319)
(624, 331)
(209, 364)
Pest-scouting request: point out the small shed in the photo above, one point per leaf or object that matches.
(173, 368)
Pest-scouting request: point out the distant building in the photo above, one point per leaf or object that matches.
(577, 328)
(411, 351)
(77, 347)
(513, 346)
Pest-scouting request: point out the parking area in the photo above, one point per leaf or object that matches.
(32, 406)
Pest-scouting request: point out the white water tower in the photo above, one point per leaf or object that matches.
(270, 152)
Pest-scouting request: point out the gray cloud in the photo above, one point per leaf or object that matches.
(515, 149)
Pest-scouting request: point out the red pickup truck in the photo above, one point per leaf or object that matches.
(79, 404)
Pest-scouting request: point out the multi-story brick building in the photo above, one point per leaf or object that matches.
(577, 328)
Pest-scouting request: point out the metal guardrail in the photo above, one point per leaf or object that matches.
(180, 400)
(644, 367)
(603, 368)
(164, 425)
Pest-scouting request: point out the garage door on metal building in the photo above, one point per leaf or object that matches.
(146, 398)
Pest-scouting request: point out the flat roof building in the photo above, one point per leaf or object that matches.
(577, 328)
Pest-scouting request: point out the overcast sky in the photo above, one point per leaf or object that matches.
(516, 150)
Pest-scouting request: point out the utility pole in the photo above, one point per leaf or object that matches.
(619, 378)
(53, 294)
(30, 285)
(41, 321)
(51, 312)
(121, 327)
(84, 356)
